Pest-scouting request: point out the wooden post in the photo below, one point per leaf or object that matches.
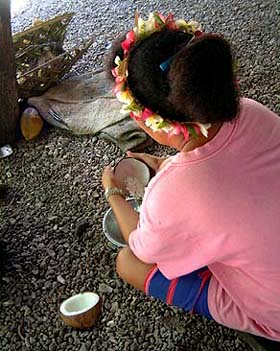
(9, 109)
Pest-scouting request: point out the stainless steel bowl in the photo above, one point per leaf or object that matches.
(111, 228)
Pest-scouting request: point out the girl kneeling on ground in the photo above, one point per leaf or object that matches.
(207, 238)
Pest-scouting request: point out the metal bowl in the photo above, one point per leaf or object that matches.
(111, 228)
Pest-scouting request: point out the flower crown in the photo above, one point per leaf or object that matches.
(142, 30)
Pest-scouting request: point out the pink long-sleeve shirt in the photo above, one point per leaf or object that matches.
(219, 206)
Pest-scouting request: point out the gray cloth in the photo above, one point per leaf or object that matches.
(85, 105)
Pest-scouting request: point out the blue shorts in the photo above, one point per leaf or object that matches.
(189, 292)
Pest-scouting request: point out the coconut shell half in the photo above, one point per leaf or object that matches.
(31, 123)
(131, 170)
(81, 311)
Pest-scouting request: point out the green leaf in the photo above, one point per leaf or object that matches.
(158, 19)
(162, 124)
(192, 130)
(123, 87)
(133, 107)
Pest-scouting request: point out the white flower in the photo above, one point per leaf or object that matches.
(154, 122)
(140, 29)
(150, 23)
(124, 97)
(124, 110)
(181, 23)
(204, 128)
(145, 27)
(168, 128)
(194, 26)
(117, 60)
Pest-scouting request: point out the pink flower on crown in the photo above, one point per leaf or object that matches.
(196, 128)
(160, 18)
(146, 114)
(198, 33)
(170, 23)
(177, 128)
(137, 116)
(169, 18)
(119, 87)
(185, 131)
(118, 78)
(128, 42)
(114, 72)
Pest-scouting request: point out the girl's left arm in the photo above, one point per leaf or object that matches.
(126, 216)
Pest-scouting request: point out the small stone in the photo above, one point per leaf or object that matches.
(95, 195)
(84, 347)
(115, 306)
(110, 323)
(50, 252)
(12, 221)
(105, 289)
(60, 279)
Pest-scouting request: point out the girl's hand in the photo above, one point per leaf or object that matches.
(153, 162)
(108, 178)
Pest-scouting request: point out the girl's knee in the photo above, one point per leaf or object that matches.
(122, 263)
(131, 269)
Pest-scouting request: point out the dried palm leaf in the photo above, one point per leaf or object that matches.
(40, 58)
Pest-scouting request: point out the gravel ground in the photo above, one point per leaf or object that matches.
(53, 205)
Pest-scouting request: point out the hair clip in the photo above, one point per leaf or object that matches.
(164, 66)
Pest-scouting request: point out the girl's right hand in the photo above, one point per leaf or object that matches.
(153, 162)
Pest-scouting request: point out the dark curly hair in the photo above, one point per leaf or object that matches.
(200, 83)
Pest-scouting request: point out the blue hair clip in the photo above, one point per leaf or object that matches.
(166, 64)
